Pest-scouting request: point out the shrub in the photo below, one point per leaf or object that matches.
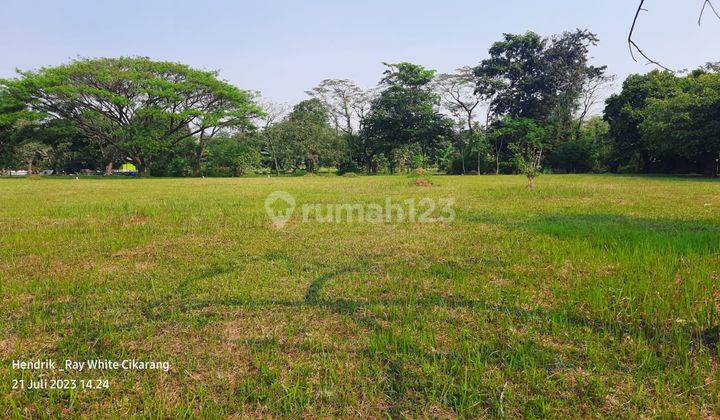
(348, 167)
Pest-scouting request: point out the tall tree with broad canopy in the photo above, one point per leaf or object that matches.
(543, 79)
(134, 107)
(308, 138)
(533, 77)
(405, 113)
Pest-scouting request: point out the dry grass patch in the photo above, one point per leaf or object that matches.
(556, 302)
(292, 327)
(8, 344)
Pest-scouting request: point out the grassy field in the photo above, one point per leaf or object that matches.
(588, 296)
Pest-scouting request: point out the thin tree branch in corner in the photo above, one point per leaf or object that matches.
(706, 4)
(634, 47)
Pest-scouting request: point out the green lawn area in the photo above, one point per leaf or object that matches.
(588, 296)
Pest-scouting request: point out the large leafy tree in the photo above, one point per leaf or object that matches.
(627, 110)
(234, 155)
(513, 76)
(528, 76)
(406, 112)
(16, 121)
(542, 79)
(686, 123)
(136, 108)
(306, 138)
(587, 152)
(525, 140)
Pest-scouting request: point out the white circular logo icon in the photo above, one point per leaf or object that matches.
(280, 206)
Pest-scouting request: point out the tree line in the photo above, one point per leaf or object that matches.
(527, 108)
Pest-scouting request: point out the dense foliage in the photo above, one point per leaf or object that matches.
(134, 109)
(527, 108)
(660, 122)
(404, 116)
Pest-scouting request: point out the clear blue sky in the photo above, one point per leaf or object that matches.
(283, 48)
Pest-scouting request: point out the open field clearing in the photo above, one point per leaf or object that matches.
(588, 296)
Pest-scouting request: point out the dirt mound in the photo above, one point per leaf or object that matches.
(422, 182)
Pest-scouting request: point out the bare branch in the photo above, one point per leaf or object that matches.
(634, 47)
(706, 4)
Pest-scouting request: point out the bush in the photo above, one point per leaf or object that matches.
(233, 156)
(350, 175)
(574, 156)
(349, 167)
(456, 167)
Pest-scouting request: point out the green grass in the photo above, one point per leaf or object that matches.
(588, 296)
